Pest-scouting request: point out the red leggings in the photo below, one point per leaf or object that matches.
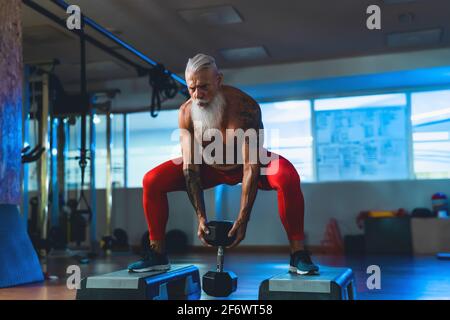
(168, 177)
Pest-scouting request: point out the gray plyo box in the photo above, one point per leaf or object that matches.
(121, 279)
(180, 282)
(330, 284)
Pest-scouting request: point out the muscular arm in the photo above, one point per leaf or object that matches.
(191, 170)
(249, 185)
(251, 119)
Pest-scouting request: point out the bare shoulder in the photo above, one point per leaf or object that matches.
(184, 115)
(247, 109)
(238, 96)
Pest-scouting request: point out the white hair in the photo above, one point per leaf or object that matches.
(198, 62)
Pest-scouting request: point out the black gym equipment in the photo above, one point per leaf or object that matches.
(31, 155)
(78, 223)
(57, 238)
(118, 242)
(181, 282)
(72, 228)
(176, 242)
(331, 284)
(219, 283)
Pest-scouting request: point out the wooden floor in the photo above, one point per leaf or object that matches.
(409, 278)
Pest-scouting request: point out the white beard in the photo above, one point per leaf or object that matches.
(209, 117)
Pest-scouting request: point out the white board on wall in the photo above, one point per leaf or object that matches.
(368, 143)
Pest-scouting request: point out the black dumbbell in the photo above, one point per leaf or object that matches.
(219, 283)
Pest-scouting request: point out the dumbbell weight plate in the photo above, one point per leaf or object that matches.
(218, 233)
(219, 284)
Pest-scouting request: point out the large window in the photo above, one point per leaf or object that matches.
(117, 151)
(72, 168)
(362, 138)
(152, 142)
(430, 116)
(287, 127)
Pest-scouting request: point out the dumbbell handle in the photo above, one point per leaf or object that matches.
(220, 259)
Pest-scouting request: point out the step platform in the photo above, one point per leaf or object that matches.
(181, 282)
(330, 284)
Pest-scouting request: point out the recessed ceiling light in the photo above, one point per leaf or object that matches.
(249, 53)
(415, 38)
(398, 1)
(211, 16)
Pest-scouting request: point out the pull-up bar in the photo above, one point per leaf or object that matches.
(107, 34)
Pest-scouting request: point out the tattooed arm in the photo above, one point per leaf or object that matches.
(250, 119)
(195, 191)
(191, 171)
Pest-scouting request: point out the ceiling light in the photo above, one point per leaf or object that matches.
(240, 54)
(397, 1)
(211, 16)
